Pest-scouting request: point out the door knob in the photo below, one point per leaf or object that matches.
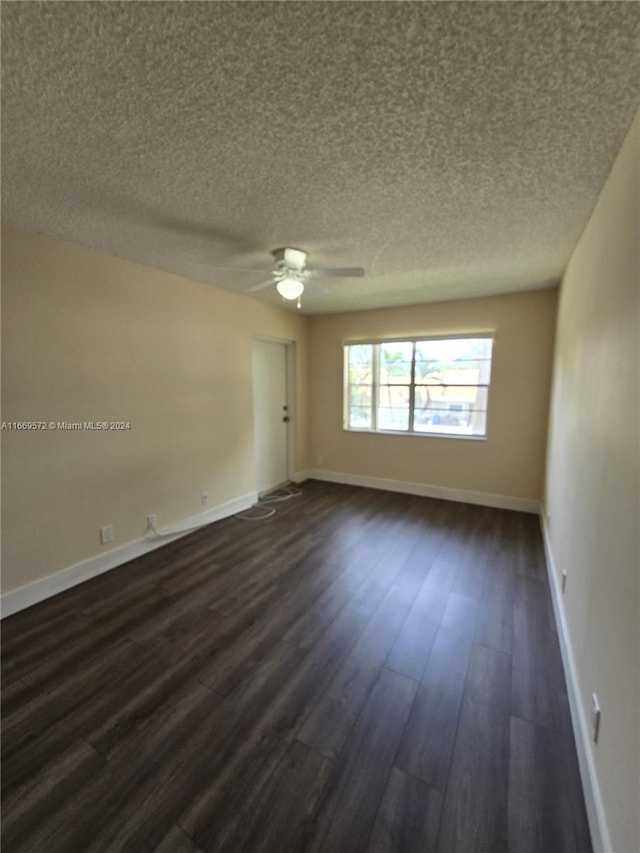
(286, 419)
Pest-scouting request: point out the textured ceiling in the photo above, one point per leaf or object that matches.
(451, 149)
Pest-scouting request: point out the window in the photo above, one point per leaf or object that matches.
(436, 386)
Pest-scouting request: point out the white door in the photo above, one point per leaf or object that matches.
(270, 414)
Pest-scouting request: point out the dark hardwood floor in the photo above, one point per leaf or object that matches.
(365, 672)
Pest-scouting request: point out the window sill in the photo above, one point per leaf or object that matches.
(416, 434)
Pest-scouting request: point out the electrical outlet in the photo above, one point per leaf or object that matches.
(204, 498)
(320, 460)
(564, 580)
(152, 522)
(106, 534)
(595, 718)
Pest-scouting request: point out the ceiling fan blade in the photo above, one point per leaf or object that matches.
(238, 269)
(346, 272)
(260, 286)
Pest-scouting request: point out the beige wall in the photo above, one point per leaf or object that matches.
(90, 337)
(510, 462)
(592, 481)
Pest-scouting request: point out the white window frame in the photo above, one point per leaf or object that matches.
(376, 342)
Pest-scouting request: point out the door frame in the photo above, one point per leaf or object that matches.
(290, 386)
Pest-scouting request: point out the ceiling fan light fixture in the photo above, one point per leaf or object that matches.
(290, 288)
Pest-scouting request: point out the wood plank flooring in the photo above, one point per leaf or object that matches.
(364, 672)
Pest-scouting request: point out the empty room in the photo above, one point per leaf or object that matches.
(320, 427)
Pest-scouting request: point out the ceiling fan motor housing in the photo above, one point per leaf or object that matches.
(292, 259)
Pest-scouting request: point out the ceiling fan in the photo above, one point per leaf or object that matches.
(292, 277)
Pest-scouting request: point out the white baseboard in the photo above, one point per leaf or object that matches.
(425, 490)
(598, 825)
(25, 596)
(301, 476)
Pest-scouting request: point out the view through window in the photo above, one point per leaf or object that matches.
(435, 386)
